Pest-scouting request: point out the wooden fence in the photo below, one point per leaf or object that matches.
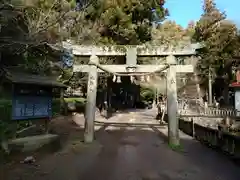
(225, 142)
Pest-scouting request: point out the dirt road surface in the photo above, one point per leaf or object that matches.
(128, 146)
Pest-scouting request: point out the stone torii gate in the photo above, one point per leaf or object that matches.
(131, 68)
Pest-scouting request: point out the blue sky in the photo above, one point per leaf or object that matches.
(183, 11)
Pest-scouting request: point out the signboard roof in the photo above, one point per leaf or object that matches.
(24, 78)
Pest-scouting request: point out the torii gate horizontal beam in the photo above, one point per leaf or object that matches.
(118, 50)
(139, 68)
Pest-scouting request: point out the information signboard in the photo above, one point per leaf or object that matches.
(31, 107)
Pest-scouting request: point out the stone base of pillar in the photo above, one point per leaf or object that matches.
(174, 142)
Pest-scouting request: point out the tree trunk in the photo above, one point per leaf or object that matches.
(226, 86)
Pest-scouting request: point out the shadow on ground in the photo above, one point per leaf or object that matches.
(202, 155)
(124, 151)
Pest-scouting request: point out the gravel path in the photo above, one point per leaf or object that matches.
(129, 146)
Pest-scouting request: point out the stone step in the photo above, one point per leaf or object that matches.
(32, 143)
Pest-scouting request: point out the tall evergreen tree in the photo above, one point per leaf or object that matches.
(169, 33)
(125, 21)
(219, 36)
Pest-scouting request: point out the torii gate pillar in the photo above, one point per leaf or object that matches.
(173, 132)
(91, 101)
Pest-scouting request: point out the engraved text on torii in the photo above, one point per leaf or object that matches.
(92, 83)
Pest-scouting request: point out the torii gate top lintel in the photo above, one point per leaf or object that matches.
(121, 50)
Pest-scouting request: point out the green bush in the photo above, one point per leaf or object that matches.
(56, 107)
(147, 94)
(75, 99)
(6, 127)
(79, 103)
